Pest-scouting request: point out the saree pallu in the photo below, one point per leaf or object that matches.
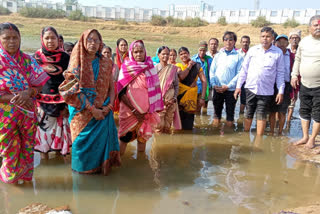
(137, 93)
(187, 96)
(17, 125)
(170, 114)
(17, 136)
(96, 145)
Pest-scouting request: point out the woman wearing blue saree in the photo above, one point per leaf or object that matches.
(89, 92)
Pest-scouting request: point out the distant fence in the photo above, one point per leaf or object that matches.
(241, 16)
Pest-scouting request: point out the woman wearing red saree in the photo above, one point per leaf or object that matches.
(140, 98)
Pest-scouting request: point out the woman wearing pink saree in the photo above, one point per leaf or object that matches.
(169, 83)
(140, 98)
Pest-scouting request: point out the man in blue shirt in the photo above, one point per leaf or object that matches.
(224, 73)
(205, 62)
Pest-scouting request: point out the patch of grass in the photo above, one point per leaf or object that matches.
(122, 22)
(42, 13)
(4, 11)
(158, 21)
(260, 21)
(222, 21)
(291, 23)
(78, 16)
(191, 22)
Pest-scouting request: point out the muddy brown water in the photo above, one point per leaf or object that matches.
(204, 171)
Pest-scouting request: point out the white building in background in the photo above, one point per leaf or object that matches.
(202, 10)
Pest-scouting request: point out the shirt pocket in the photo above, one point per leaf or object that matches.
(269, 62)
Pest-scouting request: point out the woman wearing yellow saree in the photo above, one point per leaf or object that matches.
(188, 89)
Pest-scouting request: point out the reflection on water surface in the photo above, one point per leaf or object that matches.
(204, 171)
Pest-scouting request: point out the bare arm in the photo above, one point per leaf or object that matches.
(183, 74)
(126, 101)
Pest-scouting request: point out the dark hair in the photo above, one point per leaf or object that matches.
(8, 26)
(217, 40)
(105, 46)
(49, 28)
(174, 50)
(121, 39)
(275, 35)
(245, 37)
(60, 37)
(230, 33)
(316, 17)
(183, 49)
(68, 44)
(162, 48)
(268, 29)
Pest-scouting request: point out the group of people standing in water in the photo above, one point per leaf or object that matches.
(65, 96)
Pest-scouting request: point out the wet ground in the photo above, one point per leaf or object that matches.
(204, 171)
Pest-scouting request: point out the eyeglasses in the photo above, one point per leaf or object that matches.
(228, 39)
(90, 40)
(295, 38)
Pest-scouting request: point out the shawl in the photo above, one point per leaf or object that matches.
(19, 72)
(82, 84)
(129, 71)
(120, 58)
(54, 62)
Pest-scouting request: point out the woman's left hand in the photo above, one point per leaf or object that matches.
(105, 110)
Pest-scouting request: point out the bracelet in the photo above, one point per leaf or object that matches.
(134, 110)
(34, 92)
(110, 107)
(202, 98)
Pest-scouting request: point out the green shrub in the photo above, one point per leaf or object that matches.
(260, 21)
(4, 11)
(170, 19)
(77, 16)
(222, 21)
(158, 21)
(190, 22)
(122, 22)
(291, 23)
(42, 13)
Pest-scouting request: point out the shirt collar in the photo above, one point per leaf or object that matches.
(233, 50)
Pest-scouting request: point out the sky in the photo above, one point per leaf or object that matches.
(219, 4)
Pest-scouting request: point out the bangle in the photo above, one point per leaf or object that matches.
(34, 92)
(133, 110)
(202, 98)
(110, 107)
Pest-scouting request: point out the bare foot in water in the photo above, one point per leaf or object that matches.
(301, 141)
(311, 143)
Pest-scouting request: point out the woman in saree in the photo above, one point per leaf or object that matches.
(20, 80)
(88, 90)
(173, 56)
(140, 98)
(188, 89)
(169, 83)
(53, 132)
(118, 58)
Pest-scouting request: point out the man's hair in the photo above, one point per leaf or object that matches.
(316, 17)
(245, 37)
(267, 29)
(232, 34)
(217, 40)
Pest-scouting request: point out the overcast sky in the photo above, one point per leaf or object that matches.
(219, 4)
